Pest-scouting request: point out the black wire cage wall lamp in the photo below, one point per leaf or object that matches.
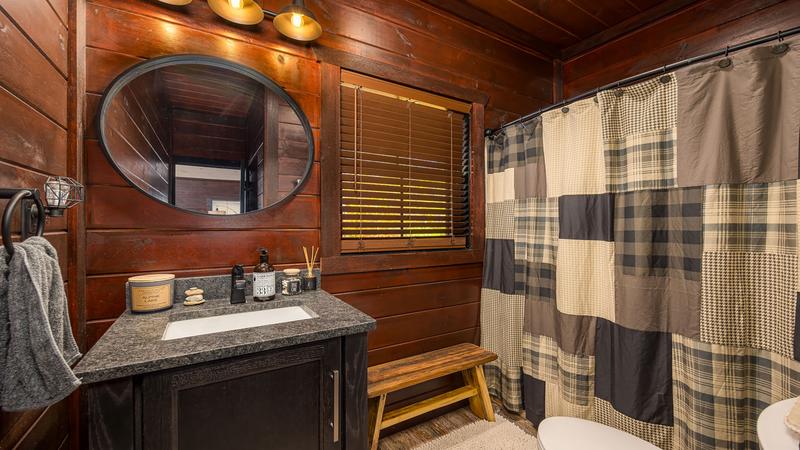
(294, 20)
(60, 193)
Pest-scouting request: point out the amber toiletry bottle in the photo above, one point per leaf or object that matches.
(263, 279)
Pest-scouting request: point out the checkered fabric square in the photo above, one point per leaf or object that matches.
(639, 135)
(537, 281)
(573, 150)
(719, 392)
(640, 108)
(749, 299)
(585, 281)
(501, 332)
(500, 220)
(515, 146)
(656, 434)
(751, 217)
(574, 374)
(536, 227)
(660, 233)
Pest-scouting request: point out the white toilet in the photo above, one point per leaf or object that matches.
(569, 433)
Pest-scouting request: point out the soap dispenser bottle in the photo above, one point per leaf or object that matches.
(238, 284)
(263, 278)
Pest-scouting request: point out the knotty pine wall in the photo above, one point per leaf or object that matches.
(418, 308)
(36, 124)
(703, 27)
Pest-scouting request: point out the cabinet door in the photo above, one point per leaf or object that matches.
(282, 399)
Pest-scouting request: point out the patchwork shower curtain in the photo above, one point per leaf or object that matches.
(641, 264)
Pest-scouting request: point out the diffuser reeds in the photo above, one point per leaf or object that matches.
(310, 262)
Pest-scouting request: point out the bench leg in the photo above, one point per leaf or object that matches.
(482, 399)
(474, 401)
(376, 406)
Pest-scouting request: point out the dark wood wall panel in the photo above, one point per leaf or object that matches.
(47, 90)
(167, 239)
(419, 307)
(34, 77)
(703, 27)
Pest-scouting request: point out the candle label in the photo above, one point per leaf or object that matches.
(148, 298)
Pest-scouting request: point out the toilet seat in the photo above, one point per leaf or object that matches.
(569, 433)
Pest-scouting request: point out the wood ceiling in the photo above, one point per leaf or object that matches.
(560, 29)
(209, 90)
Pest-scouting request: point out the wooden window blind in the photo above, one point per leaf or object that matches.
(404, 168)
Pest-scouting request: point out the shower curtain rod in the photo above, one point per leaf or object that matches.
(780, 35)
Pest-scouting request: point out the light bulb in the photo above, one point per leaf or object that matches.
(297, 20)
(238, 4)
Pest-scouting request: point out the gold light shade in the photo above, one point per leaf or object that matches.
(249, 12)
(176, 2)
(295, 21)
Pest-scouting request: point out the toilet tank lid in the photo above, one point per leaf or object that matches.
(568, 433)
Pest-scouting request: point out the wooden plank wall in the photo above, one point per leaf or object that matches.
(418, 309)
(703, 27)
(34, 118)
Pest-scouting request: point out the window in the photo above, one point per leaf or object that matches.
(404, 168)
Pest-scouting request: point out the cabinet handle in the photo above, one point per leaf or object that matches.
(335, 423)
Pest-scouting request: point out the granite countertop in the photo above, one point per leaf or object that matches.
(133, 345)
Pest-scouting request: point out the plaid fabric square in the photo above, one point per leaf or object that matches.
(658, 435)
(719, 392)
(537, 281)
(573, 150)
(504, 387)
(501, 333)
(500, 220)
(660, 233)
(749, 299)
(574, 374)
(536, 227)
(751, 217)
(556, 404)
(585, 281)
(639, 135)
(515, 146)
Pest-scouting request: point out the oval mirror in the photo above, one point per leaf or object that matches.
(205, 135)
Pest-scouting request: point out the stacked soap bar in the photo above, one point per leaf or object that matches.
(194, 296)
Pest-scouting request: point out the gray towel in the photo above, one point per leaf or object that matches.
(36, 342)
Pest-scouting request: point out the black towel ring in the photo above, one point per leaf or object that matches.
(7, 214)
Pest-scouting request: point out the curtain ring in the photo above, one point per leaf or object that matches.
(664, 78)
(780, 36)
(727, 50)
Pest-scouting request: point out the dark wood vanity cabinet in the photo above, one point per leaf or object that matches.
(310, 396)
(283, 399)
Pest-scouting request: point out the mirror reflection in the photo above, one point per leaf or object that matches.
(205, 138)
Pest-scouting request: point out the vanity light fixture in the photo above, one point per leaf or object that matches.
(294, 20)
(176, 2)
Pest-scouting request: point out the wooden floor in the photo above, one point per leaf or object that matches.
(444, 424)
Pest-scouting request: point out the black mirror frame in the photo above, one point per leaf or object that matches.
(173, 60)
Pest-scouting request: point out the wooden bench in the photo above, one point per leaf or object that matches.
(393, 376)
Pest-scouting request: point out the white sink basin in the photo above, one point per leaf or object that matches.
(237, 321)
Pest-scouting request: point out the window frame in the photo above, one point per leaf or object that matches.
(332, 257)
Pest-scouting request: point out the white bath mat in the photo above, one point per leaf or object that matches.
(499, 435)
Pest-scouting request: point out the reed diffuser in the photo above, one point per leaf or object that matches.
(309, 280)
